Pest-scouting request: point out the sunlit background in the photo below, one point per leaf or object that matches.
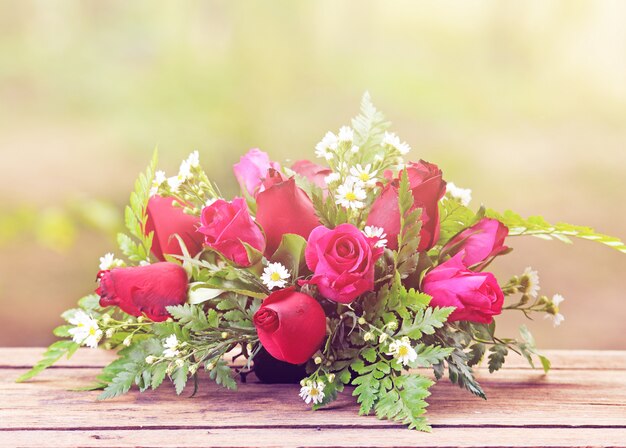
(524, 102)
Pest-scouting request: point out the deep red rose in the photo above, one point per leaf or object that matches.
(227, 225)
(166, 220)
(476, 295)
(144, 290)
(284, 208)
(312, 171)
(478, 243)
(428, 187)
(342, 261)
(291, 325)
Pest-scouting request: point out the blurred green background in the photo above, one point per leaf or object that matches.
(524, 102)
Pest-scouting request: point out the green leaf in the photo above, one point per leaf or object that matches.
(410, 225)
(454, 218)
(369, 354)
(290, 253)
(425, 321)
(121, 382)
(55, 352)
(366, 391)
(189, 316)
(179, 378)
(497, 356)
(406, 402)
(460, 373)
(539, 227)
(159, 372)
(428, 355)
(222, 375)
(369, 125)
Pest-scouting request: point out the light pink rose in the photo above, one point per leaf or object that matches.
(342, 260)
(252, 170)
(313, 172)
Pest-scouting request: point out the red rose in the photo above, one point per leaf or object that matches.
(166, 220)
(478, 243)
(144, 290)
(312, 171)
(291, 325)
(476, 295)
(227, 225)
(284, 208)
(428, 187)
(342, 260)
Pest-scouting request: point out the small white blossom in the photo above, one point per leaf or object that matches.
(557, 299)
(85, 330)
(355, 149)
(532, 287)
(378, 233)
(108, 261)
(365, 175)
(402, 351)
(557, 318)
(391, 139)
(174, 183)
(351, 195)
(171, 346)
(463, 195)
(159, 179)
(312, 392)
(332, 178)
(346, 134)
(275, 275)
(326, 147)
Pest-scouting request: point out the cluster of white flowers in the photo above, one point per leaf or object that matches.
(312, 392)
(391, 139)
(329, 145)
(402, 351)
(184, 173)
(463, 195)
(171, 346)
(351, 194)
(557, 318)
(108, 261)
(85, 330)
(275, 275)
(532, 286)
(378, 233)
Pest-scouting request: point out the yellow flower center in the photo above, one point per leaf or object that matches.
(350, 196)
(364, 176)
(92, 331)
(403, 350)
(275, 276)
(314, 392)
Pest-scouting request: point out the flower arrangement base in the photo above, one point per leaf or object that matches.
(270, 370)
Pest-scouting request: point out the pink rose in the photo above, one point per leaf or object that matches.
(476, 295)
(252, 169)
(227, 225)
(478, 243)
(313, 172)
(284, 208)
(428, 187)
(342, 260)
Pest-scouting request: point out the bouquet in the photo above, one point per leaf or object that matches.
(364, 272)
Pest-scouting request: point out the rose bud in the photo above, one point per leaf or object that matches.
(427, 187)
(291, 325)
(284, 208)
(342, 261)
(476, 295)
(227, 225)
(252, 169)
(313, 172)
(478, 243)
(144, 290)
(167, 220)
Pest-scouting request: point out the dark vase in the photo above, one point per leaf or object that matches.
(270, 370)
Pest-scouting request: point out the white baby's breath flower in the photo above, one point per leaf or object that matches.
(159, 179)
(85, 330)
(402, 351)
(391, 139)
(532, 285)
(275, 275)
(351, 195)
(378, 233)
(365, 175)
(346, 134)
(174, 183)
(355, 149)
(108, 261)
(463, 195)
(554, 315)
(332, 178)
(171, 346)
(327, 146)
(312, 392)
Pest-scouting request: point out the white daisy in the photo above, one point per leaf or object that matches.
(391, 139)
(402, 351)
(355, 149)
(463, 195)
(557, 299)
(108, 261)
(171, 346)
(556, 319)
(275, 275)
(364, 174)
(378, 233)
(326, 147)
(332, 178)
(159, 179)
(346, 134)
(532, 286)
(312, 392)
(350, 195)
(85, 330)
(554, 315)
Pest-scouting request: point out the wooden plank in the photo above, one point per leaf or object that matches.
(464, 437)
(517, 398)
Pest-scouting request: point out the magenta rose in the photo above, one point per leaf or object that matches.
(252, 170)
(342, 261)
(476, 295)
(284, 208)
(427, 187)
(227, 225)
(479, 243)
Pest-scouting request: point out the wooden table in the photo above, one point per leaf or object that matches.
(581, 402)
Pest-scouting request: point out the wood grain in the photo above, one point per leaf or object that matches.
(580, 403)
